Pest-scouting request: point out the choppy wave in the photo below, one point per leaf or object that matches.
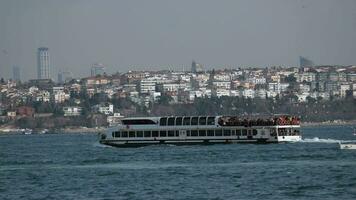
(322, 140)
(97, 144)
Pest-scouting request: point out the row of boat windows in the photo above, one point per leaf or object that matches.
(189, 133)
(186, 121)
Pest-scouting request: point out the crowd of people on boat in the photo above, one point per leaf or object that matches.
(247, 122)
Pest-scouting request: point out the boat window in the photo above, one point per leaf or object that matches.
(124, 134)
(186, 121)
(233, 133)
(171, 121)
(244, 132)
(202, 121)
(211, 120)
(170, 133)
(273, 132)
(177, 133)
(202, 133)
(188, 133)
(147, 133)
(163, 121)
(254, 132)
(139, 133)
(179, 121)
(163, 133)
(194, 121)
(282, 131)
(194, 133)
(113, 134)
(238, 132)
(210, 132)
(137, 121)
(218, 132)
(132, 134)
(154, 133)
(117, 133)
(227, 132)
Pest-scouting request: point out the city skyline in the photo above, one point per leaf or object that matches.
(124, 34)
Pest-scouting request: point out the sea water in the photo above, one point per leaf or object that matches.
(76, 166)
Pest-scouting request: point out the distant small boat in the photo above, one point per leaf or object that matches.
(347, 146)
(43, 131)
(27, 131)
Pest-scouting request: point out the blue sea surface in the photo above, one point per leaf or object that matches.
(76, 166)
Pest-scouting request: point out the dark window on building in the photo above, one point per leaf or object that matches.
(179, 121)
(147, 133)
(163, 121)
(132, 134)
(170, 133)
(210, 132)
(194, 121)
(218, 132)
(171, 121)
(202, 121)
(202, 133)
(154, 133)
(139, 133)
(227, 132)
(124, 134)
(211, 121)
(194, 133)
(186, 121)
(163, 133)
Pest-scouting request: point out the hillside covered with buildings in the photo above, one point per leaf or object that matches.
(314, 93)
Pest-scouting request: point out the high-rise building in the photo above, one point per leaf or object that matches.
(196, 67)
(305, 62)
(43, 63)
(64, 76)
(97, 69)
(16, 73)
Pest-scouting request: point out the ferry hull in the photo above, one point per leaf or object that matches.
(117, 143)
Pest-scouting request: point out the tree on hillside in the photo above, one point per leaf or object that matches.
(164, 99)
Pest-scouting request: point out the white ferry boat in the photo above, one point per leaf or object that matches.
(177, 130)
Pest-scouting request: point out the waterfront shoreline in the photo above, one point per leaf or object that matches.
(58, 131)
(329, 123)
(85, 130)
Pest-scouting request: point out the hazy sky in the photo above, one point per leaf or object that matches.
(216, 33)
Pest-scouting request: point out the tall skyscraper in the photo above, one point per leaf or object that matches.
(196, 67)
(16, 73)
(43, 63)
(97, 69)
(64, 76)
